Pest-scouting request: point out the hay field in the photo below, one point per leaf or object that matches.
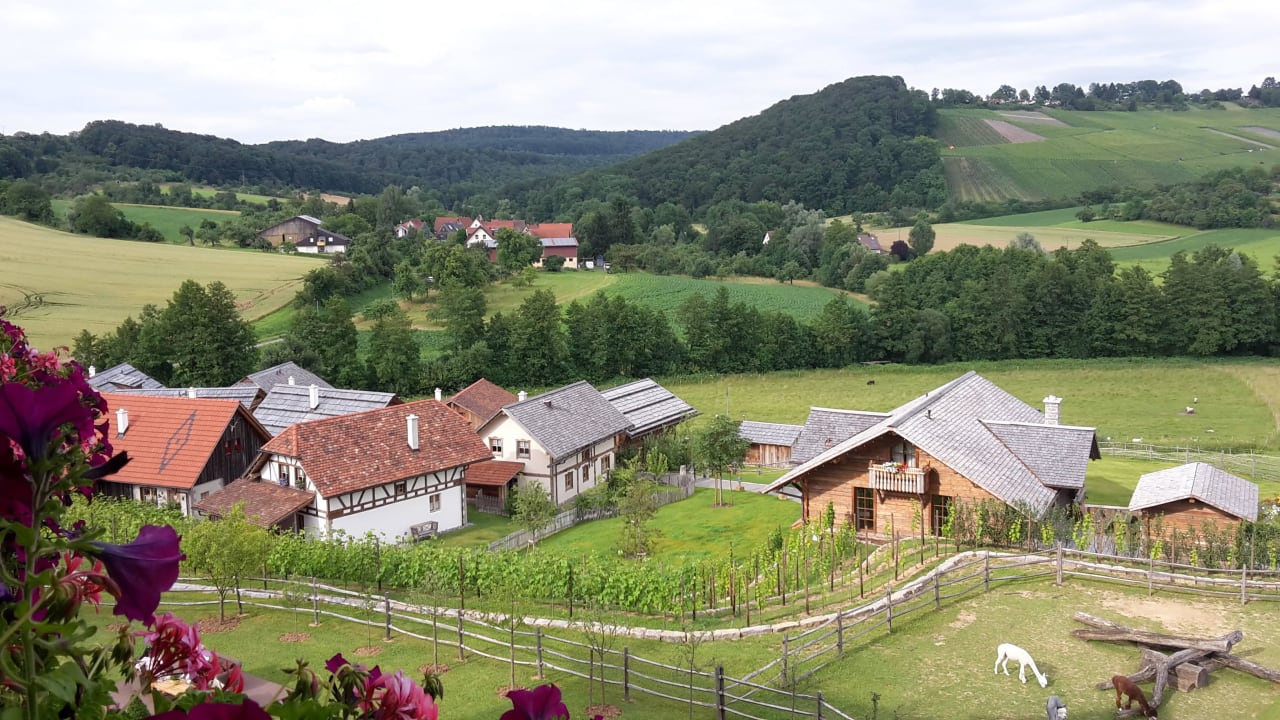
(57, 284)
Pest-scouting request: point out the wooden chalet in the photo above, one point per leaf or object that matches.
(649, 407)
(967, 440)
(770, 443)
(1188, 496)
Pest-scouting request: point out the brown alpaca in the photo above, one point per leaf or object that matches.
(1125, 686)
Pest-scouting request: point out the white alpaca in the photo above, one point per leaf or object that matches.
(1006, 652)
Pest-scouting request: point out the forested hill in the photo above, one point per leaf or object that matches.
(861, 144)
(455, 162)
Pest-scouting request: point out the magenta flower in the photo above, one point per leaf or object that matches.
(335, 662)
(396, 697)
(540, 703)
(250, 710)
(143, 570)
(33, 418)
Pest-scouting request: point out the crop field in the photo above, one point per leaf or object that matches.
(55, 284)
(163, 218)
(804, 301)
(1053, 236)
(1239, 400)
(1262, 245)
(210, 192)
(1096, 149)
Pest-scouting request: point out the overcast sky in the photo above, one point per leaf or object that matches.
(273, 70)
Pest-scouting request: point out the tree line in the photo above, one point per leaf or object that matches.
(1130, 96)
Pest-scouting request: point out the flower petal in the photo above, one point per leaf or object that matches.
(143, 569)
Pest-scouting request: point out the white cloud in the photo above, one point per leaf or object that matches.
(261, 71)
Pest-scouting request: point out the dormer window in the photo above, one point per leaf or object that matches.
(904, 453)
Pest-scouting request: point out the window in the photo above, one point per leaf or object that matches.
(568, 480)
(522, 448)
(282, 474)
(940, 508)
(495, 446)
(905, 453)
(402, 487)
(586, 473)
(299, 478)
(864, 503)
(149, 495)
(435, 502)
(604, 464)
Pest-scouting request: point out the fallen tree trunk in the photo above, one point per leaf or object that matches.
(1253, 668)
(1148, 671)
(1107, 631)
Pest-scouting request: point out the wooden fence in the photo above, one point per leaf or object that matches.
(1246, 464)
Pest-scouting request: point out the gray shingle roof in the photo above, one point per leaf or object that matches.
(285, 405)
(648, 406)
(954, 424)
(568, 419)
(826, 427)
(122, 377)
(1204, 482)
(559, 242)
(764, 433)
(247, 395)
(280, 374)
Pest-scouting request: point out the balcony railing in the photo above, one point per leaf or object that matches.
(890, 478)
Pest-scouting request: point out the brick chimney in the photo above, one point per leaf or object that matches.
(412, 427)
(522, 396)
(122, 422)
(315, 396)
(1052, 410)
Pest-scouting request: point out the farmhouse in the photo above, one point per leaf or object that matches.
(286, 373)
(557, 238)
(381, 471)
(770, 442)
(968, 440)
(648, 407)
(872, 243)
(564, 439)
(121, 377)
(285, 405)
(180, 449)
(307, 235)
(826, 427)
(1187, 496)
(478, 402)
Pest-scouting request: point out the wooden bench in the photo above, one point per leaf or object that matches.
(424, 530)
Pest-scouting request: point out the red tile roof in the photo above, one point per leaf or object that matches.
(482, 398)
(412, 224)
(169, 440)
(493, 472)
(265, 503)
(366, 449)
(550, 230)
(440, 221)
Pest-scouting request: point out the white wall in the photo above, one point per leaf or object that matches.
(394, 519)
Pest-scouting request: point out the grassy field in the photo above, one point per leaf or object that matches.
(1097, 149)
(56, 284)
(690, 537)
(165, 219)
(210, 192)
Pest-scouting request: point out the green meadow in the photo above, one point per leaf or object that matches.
(163, 218)
(1088, 150)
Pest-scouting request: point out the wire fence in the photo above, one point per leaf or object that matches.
(1244, 463)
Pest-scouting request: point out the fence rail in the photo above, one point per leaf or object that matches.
(1244, 463)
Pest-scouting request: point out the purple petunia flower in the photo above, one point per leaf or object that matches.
(250, 710)
(335, 662)
(143, 570)
(33, 418)
(540, 703)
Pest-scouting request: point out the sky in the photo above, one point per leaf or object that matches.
(282, 70)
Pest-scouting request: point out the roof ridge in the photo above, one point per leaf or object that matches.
(929, 398)
(847, 411)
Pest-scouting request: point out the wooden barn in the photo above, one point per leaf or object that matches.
(770, 442)
(1190, 495)
(967, 440)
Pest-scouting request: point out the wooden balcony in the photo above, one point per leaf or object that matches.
(889, 478)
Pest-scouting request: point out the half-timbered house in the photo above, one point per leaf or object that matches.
(967, 440)
(381, 471)
(1188, 496)
(180, 449)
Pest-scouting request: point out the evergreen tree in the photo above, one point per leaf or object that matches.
(395, 359)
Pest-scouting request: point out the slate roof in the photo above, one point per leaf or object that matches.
(366, 449)
(764, 433)
(559, 242)
(456, 223)
(648, 406)
(121, 377)
(568, 419)
(977, 429)
(246, 395)
(1206, 483)
(483, 398)
(265, 503)
(826, 427)
(493, 472)
(280, 374)
(169, 440)
(285, 405)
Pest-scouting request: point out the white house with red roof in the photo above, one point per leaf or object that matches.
(383, 471)
(409, 226)
(556, 238)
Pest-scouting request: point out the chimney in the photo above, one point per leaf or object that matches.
(122, 422)
(412, 422)
(522, 396)
(439, 395)
(315, 396)
(1052, 409)
(92, 371)
(547, 402)
(191, 393)
(291, 380)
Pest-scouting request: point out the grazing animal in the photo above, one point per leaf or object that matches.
(1054, 708)
(1125, 686)
(871, 382)
(1007, 652)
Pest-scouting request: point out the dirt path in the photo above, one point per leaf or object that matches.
(1013, 133)
(1264, 132)
(1256, 143)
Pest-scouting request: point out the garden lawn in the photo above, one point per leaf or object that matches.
(1111, 480)
(482, 529)
(691, 530)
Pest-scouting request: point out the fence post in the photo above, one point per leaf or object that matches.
(986, 571)
(786, 677)
(386, 604)
(888, 599)
(538, 635)
(626, 673)
(720, 715)
(839, 634)
(1059, 563)
(1244, 581)
(1151, 571)
(315, 603)
(819, 715)
(239, 602)
(461, 655)
(937, 590)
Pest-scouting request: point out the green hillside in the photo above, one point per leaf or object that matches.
(165, 219)
(1079, 151)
